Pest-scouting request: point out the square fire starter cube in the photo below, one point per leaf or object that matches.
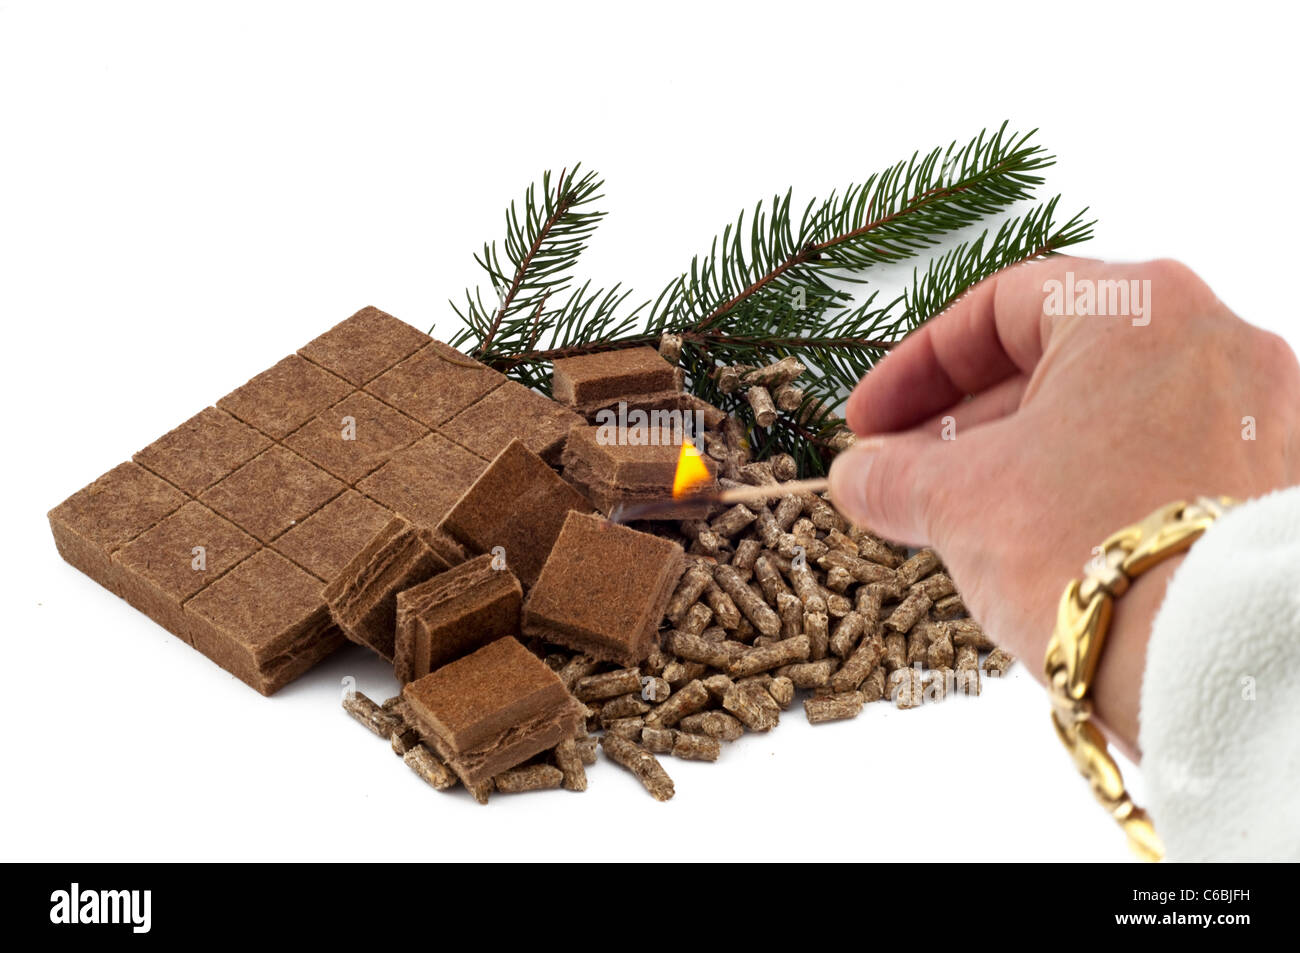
(165, 565)
(327, 540)
(364, 346)
(97, 520)
(609, 374)
(355, 437)
(519, 504)
(272, 492)
(492, 709)
(604, 589)
(362, 597)
(511, 412)
(453, 613)
(265, 622)
(210, 445)
(434, 384)
(283, 398)
(423, 482)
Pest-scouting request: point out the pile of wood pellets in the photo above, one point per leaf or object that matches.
(777, 603)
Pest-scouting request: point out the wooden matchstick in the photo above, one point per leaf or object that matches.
(746, 494)
(665, 509)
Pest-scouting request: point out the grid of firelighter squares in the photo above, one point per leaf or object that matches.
(226, 529)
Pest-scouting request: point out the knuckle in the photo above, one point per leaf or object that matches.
(1275, 347)
(1171, 270)
(1174, 276)
(1279, 360)
(1178, 291)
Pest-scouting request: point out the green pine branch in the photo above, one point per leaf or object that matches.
(1024, 238)
(892, 216)
(585, 319)
(773, 284)
(543, 242)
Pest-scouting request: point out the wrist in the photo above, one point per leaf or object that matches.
(1086, 626)
(1118, 686)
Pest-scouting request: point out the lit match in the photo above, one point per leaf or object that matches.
(691, 475)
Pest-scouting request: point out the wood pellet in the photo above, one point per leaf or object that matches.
(641, 763)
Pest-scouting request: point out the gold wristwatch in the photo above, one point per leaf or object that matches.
(1082, 620)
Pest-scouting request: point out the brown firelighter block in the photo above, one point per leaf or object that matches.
(452, 614)
(363, 596)
(364, 346)
(282, 399)
(271, 493)
(355, 437)
(264, 622)
(604, 589)
(327, 540)
(639, 370)
(512, 412)
(611, 473)
(170, 562)
(492, 709)
(271, 460)
(210, 445)
(518, 503)
(424, 481)
(627, 466)
(435, 383)
(96, 521)
(668, 400)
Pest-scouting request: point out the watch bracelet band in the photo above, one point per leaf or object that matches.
(1074, 651)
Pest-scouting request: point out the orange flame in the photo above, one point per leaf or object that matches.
(691, 471)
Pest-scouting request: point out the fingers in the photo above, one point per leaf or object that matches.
(998, 401)
(897, 484)
(996, 331)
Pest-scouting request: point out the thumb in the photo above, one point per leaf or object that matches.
(893, 484)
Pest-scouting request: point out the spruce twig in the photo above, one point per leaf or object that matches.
(563, 202)
(543, 242)
(775, 286)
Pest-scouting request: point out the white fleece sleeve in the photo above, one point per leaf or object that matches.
(1220, 715)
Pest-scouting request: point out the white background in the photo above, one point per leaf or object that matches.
(190, 191)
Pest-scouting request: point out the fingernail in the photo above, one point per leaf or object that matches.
(849, 478)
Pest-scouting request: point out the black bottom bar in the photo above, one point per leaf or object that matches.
(132, 903)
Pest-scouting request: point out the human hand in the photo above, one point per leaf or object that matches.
(1077, 427)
